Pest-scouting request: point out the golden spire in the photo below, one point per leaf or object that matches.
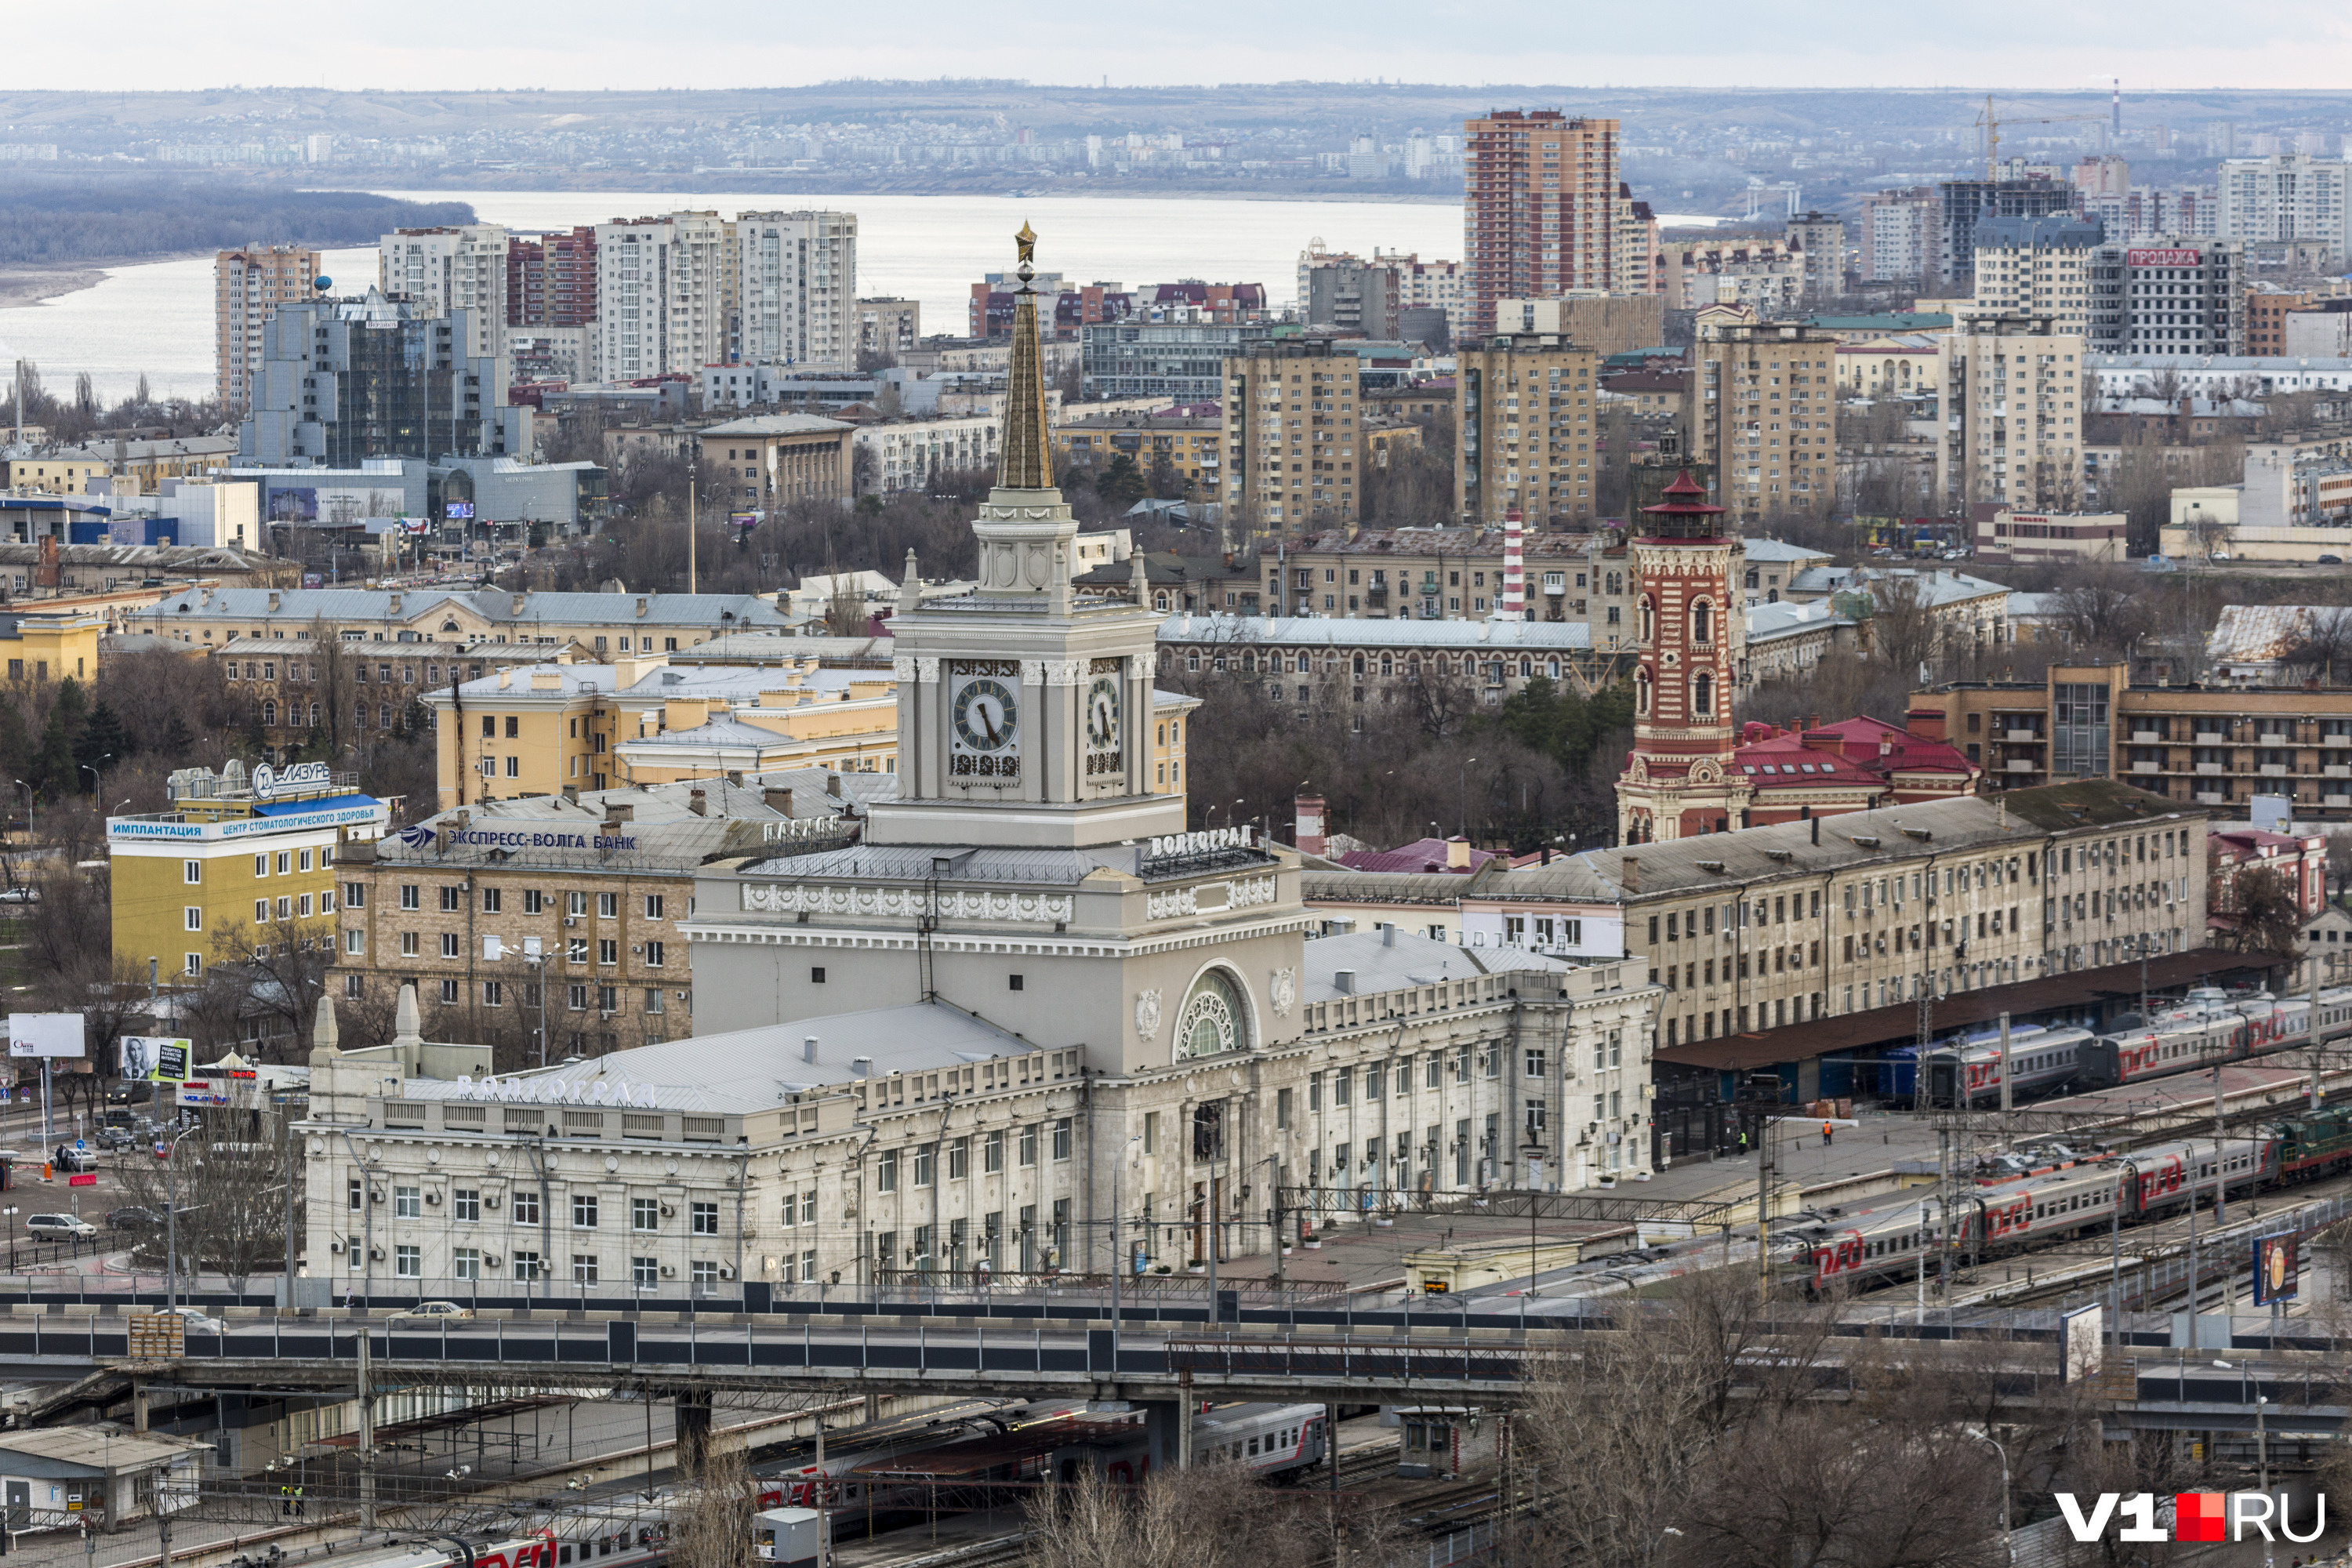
(1024, 461)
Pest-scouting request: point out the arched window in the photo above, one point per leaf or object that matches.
(1703, 694)
(1642, 693)
(268, 715)
(1649, 618)
(1703, 622)
(1551, 669)
(1387, 664)
(1526, 666)
(1412, 668)
(1160, 601)
(1359, 664)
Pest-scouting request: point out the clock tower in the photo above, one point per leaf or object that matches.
(1023, 718)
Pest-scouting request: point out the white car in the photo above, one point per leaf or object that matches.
(198, 1320)
(443, 1310)
(59, 1228)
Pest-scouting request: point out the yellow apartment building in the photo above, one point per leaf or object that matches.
(52, 646)
(1190, 448)
(539, 730)
(237, 860)
(65, 472)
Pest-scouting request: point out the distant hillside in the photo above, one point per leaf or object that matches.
(49, 223)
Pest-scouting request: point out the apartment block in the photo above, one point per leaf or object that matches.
(1524, 437)
(2013, 398)
(1350, 294)
(445, 270)
(665, 294)
(796, 282)
(1291, 430)
(1763, 414)
(552, 278)
(1635, 269)
(2207, 745)
(2288, 196)
(1183, 362)
(248, 285)
(1818, 239)
(1430, 286)
(2167, 294)
(1899, 235)
(888, 328)
(1962, 205)
(1440, 574)
(1540, 207)
(1761, 272)
(2037, 267)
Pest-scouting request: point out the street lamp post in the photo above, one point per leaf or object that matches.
(1462, 778)
(2008, 1542)
(31, 832)
(92, 770)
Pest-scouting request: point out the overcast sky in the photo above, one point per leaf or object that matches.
(442, 43)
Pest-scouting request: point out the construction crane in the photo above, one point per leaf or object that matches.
(1990, 124)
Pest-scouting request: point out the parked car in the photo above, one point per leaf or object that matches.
(59, 1228)
(20, 895)
(2218, 555)
(197, 1320)
(134, 1219)
(68, 1158)
(443, 1310)
(2331, 561)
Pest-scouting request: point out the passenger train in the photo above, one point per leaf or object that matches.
(1040, 1442)
(2005, 1216)
(2207, 1028)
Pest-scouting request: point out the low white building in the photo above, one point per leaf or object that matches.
(907, 454)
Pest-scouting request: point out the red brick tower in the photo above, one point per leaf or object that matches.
(1689, 629)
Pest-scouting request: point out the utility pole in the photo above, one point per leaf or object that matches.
(690, 528)
(367, 1436)
(1763, 1204)
(2220, 1159)
(2006, 1101)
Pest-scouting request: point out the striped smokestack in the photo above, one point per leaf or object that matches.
(1515, 569)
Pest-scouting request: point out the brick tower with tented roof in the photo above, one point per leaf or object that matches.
(1690, 637)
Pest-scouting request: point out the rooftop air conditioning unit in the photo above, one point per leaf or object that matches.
(492, 1258)
(432, 1197)
(489, 1200)
(727, 1271)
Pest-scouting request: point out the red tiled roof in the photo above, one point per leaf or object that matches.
(1855, 751)
(1421, 855)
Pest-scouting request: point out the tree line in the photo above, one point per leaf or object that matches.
(53, 221)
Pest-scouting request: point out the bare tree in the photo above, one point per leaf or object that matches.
(716, 1531)
(1210, 1515)
(2320, 648)
(227, 1179)
(2105, 608)
(1903, 629)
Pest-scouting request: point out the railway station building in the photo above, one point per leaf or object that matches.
(1025, 1001)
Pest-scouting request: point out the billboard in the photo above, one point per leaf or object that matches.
(45, 1035)
(292, 503)
(2163, 258)
(140, 1053)
(2278, 1272)
(459, 512)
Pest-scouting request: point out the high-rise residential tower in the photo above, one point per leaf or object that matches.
(1540, 207)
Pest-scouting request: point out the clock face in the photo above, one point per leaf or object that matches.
(987, 717)
(1102, 713)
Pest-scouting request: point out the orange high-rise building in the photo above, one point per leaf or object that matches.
(1540, 207)
(248, 285)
